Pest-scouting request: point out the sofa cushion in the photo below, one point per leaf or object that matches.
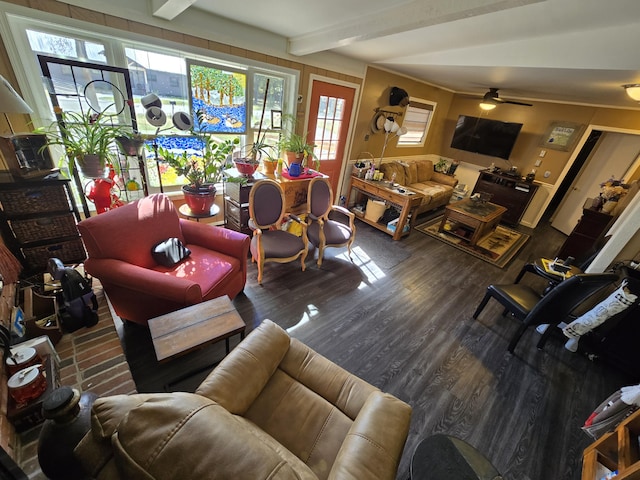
(425, 170)
(389, 168)
(411, 172)
(194, 437)
(432, 191)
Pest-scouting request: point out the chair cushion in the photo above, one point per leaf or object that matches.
(425, 170)
(204, 267)
(278, 244)
(170, 252)
(336, 233)
(517, 298)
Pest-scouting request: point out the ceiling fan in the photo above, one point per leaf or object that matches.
(491, 100)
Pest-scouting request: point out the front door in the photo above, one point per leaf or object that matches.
(329, 116)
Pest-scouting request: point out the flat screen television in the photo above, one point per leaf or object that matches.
(485, 136)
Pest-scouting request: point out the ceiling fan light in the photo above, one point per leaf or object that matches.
(484, 105)
(633, 90)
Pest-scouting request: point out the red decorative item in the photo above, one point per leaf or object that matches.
(247, 169)
(200, 201)
(101, 192)
(27, 384)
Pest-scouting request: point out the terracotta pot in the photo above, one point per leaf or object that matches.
(199, 200)
(270, 167)
(293, 157)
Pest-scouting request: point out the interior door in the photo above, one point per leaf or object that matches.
(329, 117)
(615, 153)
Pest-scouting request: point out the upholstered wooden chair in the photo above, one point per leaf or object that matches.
(266, 215)
(329, 225)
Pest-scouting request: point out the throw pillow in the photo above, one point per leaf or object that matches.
(170, 252)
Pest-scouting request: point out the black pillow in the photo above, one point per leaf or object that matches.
(170, 252)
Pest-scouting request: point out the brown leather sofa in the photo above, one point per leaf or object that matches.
(272, 409)
(418, 175)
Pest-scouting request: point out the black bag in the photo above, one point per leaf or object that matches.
(80, 303)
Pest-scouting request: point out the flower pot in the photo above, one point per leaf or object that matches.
(270, 167)
(246, 168)
(294, 157)
(92, 166)
(201, 199)
(131, 147)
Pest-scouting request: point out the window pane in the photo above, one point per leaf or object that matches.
(417, 120)
(275, 101)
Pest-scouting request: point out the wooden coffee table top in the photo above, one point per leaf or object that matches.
(182, 331)
(485, 212)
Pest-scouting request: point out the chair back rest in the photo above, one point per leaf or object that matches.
(319, 197)
(128, 233)
(567, 296)
(266, 203)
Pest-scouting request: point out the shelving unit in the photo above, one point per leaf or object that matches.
(615, 451)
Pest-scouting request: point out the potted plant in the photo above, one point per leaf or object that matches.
(250, 157)
(201, 169)
(88, 141)
(298, 150)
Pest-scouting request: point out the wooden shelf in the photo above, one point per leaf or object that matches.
(615, 451)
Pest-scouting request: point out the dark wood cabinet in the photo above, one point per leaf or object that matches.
(236, 206)
(587, 235)
(506, 190)
(38, 222)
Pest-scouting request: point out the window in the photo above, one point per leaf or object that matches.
(417, 119)
(161, 68)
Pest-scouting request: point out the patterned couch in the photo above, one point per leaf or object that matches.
(419, 176)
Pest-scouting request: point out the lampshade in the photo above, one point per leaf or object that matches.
(182, 121)
(10, 101)
(633, 90)
(155, 116)
(487, 105)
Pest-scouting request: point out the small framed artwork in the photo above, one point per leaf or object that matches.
(276, 119)
(561, 135)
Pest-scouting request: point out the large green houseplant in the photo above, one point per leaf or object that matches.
(88, 141)
(298, 150)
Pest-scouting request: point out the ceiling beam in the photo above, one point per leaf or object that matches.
(169, 9)
(401, 18)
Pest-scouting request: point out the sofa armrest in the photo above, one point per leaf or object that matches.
(444, 179)
(223, 240)
(373, 446)
(144, 280)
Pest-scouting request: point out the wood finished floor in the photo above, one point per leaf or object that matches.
(399, 317)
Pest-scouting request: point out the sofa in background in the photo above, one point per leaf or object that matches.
(418, 175)
(119, 244)
(272, 409)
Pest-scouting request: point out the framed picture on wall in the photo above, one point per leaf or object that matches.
(561, 135)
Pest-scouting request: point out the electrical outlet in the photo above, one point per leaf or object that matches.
(547, 174)
(538, 163)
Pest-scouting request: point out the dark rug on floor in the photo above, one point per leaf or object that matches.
(498, 248)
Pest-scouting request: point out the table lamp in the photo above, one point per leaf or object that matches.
(11, 102)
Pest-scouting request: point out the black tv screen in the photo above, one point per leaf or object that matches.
(485, 136)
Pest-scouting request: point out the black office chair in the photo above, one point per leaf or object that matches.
(532, 308)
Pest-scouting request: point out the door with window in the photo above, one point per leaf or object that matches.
(330, 111)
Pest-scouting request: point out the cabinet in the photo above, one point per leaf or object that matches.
(506, 190)
(586, 236)
(38, 221)
(236, 206)
(615, 451)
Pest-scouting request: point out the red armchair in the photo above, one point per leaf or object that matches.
(119, 244)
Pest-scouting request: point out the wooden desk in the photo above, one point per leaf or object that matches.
(406, 203)
(193, 327)
(480, 218)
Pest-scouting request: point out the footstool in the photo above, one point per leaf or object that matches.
(442, 457)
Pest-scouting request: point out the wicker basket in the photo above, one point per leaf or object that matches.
(69, 252)
(44, 228)
(49, 198)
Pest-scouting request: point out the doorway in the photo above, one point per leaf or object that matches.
(329, 124)
(616, 152)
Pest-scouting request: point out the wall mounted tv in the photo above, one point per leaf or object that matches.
(485, 136)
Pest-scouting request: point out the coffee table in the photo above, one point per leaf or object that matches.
(471, 220)
(194, 327)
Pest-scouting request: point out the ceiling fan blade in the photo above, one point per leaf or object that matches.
(513, 102)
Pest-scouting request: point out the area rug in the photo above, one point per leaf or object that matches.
(498, 247)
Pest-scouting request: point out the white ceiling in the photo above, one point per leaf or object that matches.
(570, 51)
